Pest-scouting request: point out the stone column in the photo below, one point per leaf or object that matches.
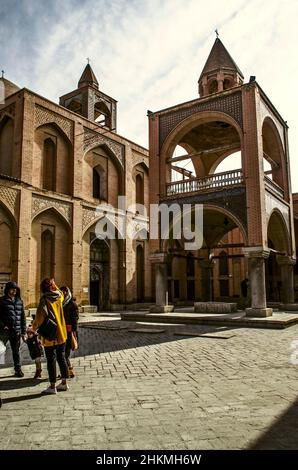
(287, 278)
(256, 268)
(161, 284)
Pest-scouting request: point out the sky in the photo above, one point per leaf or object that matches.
(148, 54)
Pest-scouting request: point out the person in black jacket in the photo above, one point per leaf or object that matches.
(71, 315)
(13, 320)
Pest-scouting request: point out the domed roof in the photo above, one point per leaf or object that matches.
(8, 86)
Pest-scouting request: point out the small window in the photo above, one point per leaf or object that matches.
(96, 183)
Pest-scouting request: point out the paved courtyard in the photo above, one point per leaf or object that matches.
(226, 389)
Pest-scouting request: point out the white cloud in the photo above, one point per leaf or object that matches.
(148, 54)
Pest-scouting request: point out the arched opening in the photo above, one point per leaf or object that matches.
(99, 183)
(75, 106)
(49, 165)
(140, 189)
(6, 146)
(52, 160)
(227, 84)
(48, 252)
(181, 169)
(203, 147)
(99, 273)
(140, 273)
(273, 154)
(109, 177)
(213, 87)
(278, 242)
(215, 271)
(102, 114)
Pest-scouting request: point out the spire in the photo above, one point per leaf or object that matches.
(219, 58)
(88, 77)
(221, 67)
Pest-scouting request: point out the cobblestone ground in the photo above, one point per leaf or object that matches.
(226, 389)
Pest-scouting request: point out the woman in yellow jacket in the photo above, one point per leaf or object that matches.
(51, 300)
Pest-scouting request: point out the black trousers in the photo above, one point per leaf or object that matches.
(56, 354)
(68, 348)
(15, 343)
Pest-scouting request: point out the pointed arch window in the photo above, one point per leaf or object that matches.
(99, 183)
(49, 165)
(47, 253)
(139, 189)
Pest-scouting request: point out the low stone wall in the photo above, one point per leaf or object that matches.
(215, 307)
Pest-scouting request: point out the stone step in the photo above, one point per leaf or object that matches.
(88, 309)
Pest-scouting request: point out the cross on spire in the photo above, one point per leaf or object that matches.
(88, 60)
(216, 32)
(2, 73)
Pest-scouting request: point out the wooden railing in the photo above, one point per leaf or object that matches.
(218, 180)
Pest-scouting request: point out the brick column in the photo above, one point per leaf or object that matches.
(24, 237)
(76, 272)
(256, 269)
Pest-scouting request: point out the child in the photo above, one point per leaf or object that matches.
(35, 350)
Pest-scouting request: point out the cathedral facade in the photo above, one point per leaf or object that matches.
(62, 168)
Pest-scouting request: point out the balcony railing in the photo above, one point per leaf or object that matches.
(216, 181)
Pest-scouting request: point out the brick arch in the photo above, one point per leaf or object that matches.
(273, 147)
(223, 211)
(279, 234)
(190, 123)
(201, 165)
(58, 129)
(50, 219)
(63, 180)
(52, 209)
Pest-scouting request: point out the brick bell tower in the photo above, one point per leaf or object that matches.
(90, 102)
(229, 116)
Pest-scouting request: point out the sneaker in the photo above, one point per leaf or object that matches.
(62, 387)
(49, 391)
(19, 373)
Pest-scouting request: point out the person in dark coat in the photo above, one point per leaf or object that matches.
(12, 317)
(71, 315)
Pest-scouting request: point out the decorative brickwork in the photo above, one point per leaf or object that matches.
(230, 104)
(45, 116)
(89, 215)
(10, 197)
(232, 200)
(39, 204)
(92, 139)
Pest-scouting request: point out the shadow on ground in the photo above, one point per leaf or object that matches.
(283, 433)
(96, 337)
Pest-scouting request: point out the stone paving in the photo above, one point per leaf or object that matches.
(225, 389)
